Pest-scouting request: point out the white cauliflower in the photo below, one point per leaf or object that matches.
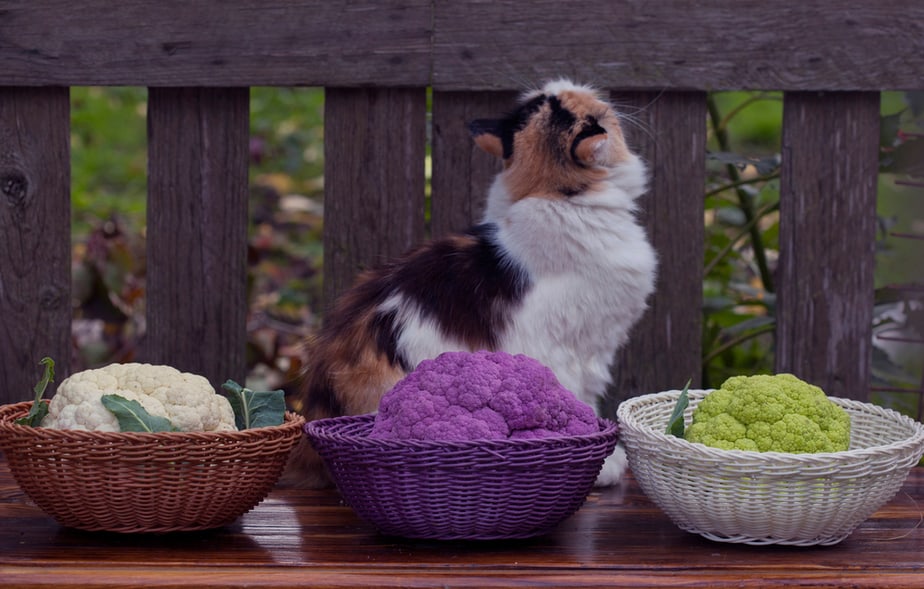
(187, 400)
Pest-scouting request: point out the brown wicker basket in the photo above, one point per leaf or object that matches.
(145, 482)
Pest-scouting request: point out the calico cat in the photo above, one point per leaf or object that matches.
(558, 269)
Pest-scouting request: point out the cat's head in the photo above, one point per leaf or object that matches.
(560, 140)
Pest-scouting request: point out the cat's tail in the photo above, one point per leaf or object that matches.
(340, 378)
(305, 469)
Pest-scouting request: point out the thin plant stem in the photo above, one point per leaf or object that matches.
(742, 182)
(746, 229)
(715, 352)
(740, 107)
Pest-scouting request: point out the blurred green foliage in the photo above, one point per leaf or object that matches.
(109, 159)
(108, 156)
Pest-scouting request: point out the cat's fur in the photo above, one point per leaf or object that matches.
(559, 270)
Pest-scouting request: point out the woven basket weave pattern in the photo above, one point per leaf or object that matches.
(460, 490)
(145, 482)
(769, 498)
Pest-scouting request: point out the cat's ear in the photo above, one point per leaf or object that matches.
(594, 150)
(487, 136)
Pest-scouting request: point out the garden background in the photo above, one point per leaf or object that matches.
(108, 143)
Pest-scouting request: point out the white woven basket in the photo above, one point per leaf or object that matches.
(769, 497)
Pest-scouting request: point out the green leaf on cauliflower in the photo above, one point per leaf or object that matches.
(39, 409)
(675, 423)
(133, 417)
(254, 409)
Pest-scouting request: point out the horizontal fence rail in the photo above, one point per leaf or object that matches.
(465, 44)
(376, 60)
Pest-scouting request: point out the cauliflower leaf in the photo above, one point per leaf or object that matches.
(133, 417)
(39, 408)
(254, 409)
(675, 423)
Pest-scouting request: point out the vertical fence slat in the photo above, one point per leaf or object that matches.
(35, 229)
(197, 230)
(462, 173)
(374, 149)
(669, 131)
(827, 239)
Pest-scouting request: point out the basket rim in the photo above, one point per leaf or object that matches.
(328, 428)
(11, 412)
(626, 418)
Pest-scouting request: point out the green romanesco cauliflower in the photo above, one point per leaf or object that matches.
(764, 413)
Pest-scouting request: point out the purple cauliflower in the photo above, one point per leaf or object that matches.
(460, 396)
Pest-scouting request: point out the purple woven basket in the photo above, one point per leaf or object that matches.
(478, 490)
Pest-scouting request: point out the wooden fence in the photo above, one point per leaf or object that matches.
(376, 59)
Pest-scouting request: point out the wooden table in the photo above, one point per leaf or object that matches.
(310, 539)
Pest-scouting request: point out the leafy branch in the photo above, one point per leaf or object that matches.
(723, 124)
(742, 182)
(746, 229)
(717, 351)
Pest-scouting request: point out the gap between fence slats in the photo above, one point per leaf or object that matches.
(827, 239)
(197, 230)
(374, 150)
(668, 130)
(35, 229)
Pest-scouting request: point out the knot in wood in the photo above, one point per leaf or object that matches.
(13, 185)
(50, 297)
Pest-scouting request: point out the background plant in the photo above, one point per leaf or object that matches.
(108, 137)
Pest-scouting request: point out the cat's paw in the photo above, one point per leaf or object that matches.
(614, 467)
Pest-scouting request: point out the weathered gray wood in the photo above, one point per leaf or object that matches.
(462, 173)
(669, 131)
(197, 230)
(374, 149)
(680, 44)
(466, 44)
(227, 43)
(827, 239)
(35, 228)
